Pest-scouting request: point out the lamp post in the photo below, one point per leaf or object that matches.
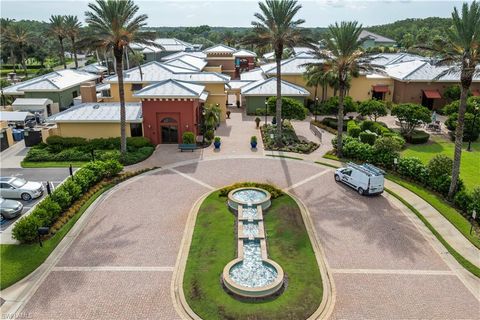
(316, 108)
(266, 112)
(476, 109)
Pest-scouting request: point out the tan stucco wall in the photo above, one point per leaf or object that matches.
(47, 132)
(116, 97)
(91, 130)
(361, 88)
(213, 69)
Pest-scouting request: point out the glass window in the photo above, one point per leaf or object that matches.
(136, 130)
(75, 94)
(136, 86)
(106, 93)
(347, 172)
(168, 120)
(4, 186)
(19, 182)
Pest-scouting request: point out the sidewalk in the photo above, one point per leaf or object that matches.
(11, 157)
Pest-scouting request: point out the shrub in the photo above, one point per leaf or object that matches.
(26, 229)
(112, 168)
(61, 196)
(380, 129)
(440, 165)
(463, 200)
(291, 108)
(66, 142)
(72, 154)
(330, 106)
(369, 138)
(471, 129)
(253, 139)
(85, 178)
(98, 168)
(353, 129)
(367, 125)
(138, 155)
(217, 139)
(38, 154)
(52, 207)
(188, 137)
(332, 123)
(103, 155)
(139, 142)
(475, 204)
(442, 184)
(209, 135)
(413, 168)
(418, 137)
(73, 189)
(354, 149)
(274, 192)
(46, 218)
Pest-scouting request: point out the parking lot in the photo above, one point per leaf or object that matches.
(53, 175)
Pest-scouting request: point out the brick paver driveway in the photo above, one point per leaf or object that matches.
(121, 264)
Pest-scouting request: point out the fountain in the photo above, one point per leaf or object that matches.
(251, 274)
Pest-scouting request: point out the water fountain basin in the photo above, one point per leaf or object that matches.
(249, 197)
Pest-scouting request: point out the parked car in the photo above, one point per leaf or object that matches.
(18, 188)
(10, 209)
(366, 178)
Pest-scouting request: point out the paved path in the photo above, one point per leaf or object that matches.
(383, 263)
(13, 156)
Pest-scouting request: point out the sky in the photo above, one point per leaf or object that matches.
(239, 13)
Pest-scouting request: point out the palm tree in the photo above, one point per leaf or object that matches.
(18, 38)
(5, 25)
(57, 29)
(72, 29)
(115, 26)
(461, 53)
(277, 27)
(343, 58)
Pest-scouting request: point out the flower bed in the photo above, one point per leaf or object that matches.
(290, 141)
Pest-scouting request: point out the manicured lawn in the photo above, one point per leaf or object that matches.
(52, 164)
(18, 261)
(213, 246)
(470, 166)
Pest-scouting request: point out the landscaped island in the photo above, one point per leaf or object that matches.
(214, 245)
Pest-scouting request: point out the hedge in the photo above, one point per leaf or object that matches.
(367, 137)
(274, 192)
(418, 137)
(353, 129)
(50, 209)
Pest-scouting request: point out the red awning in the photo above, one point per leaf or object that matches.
(475, 93)
(380, 88)
(432, 94)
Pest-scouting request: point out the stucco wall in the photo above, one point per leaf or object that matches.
(184, 112)
(91, 130)
(361, 88)
(256, 102)
(64, 98)
(412, 92)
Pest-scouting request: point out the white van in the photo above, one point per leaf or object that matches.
(366, 178)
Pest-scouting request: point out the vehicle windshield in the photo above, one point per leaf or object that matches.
(19, 182)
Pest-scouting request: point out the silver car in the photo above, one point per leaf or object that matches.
(18, 188)
(10, 209)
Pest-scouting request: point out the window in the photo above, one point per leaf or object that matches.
(347, 172)
(136, 130)
(75, 94)
(136, 86)
(106, 93)
(4, 186)
(168, 120)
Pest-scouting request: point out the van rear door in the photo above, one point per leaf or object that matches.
(376, 184)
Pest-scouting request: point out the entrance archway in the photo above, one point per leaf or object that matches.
(168, 130)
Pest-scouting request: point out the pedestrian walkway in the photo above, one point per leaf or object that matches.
(13, 156)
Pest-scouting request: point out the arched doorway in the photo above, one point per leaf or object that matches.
(168, 130)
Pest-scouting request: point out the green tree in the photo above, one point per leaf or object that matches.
(407, 40)
(278, 28)
(18, 38)
(115, 25)
(343, 57)
(461, 53)
(57, 29)
(472, 128)
(373, 109)
(291, 109)
(452, 93)
(331, 105)
(211, 116)
(410, 115)
(72, 29)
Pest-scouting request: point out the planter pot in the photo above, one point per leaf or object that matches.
(253, 145)
(217, 145)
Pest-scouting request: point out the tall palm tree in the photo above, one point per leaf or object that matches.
(115, 26)
(72, 30)
(278, 28)
(344, 58)
(5, 25)
(461, 53)
(18, 38)
(57, 29)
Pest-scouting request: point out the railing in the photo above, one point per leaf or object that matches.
(316, 131)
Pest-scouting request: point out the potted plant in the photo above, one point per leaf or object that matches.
(253, 142)
(217, 143)
(228, 114)
(257, 121)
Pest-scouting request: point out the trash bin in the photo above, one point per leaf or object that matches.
(32, 137)
(17, 134)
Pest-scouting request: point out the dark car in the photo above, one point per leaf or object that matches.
(10, 209)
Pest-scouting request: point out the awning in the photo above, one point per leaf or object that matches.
(432, 94)
(380, 88)
(476, 93)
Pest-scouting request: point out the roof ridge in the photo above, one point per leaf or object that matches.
(415, 70)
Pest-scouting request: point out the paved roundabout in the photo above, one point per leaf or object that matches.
(121, 265)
